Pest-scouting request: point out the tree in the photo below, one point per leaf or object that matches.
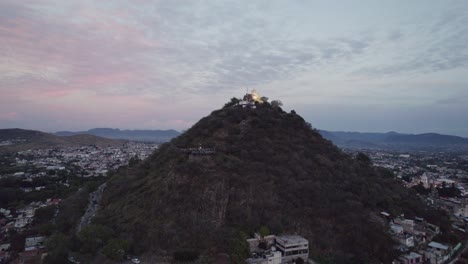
(420, 189)
(361, 157)
(56, 257)
(186, 255)
(57, 248)
(276, 103)
(264, 99)
(116, 249)
(234, 101)
(93, 237)
(239, 248)
(9, 195)
(44, 215)
(264, 231)
(299, 261)
(56, 240)
(17, 241)
(135, 160)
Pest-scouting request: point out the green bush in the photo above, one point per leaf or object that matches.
(115, 249)
(93, 237)
(186, 255)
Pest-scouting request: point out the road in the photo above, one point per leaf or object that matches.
(93, 205)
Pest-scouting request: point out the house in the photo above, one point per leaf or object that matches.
(255, 243)
(5, 247)
(21, 222)
(32, 243)
(432, 257)
(292, 247)
(250, 99)
(270, 257)
(405, 239)
(6, 212)
(385, 215)
(433, 228)
(436, 253)
(29, 211)
(438, 248)
(411, 258)
(425, 181)
(53, 201)
(407, 224)
(396, 229)
(7, 227)
(272, 249)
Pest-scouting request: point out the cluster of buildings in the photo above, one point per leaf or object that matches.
(20, 218)
(433, 171)
(11, 142)
(89, 160)
(83, 161)
(414, 239)
(427, 167)
(19, 221)
(33, 251)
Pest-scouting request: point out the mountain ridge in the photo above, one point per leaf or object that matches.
(346, 139)
(396, 141)
(138, 135)
(16, 139)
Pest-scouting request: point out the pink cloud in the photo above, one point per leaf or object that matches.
(88, 65)
(8, 116)
(89, 48)
(56, 93)
(107, 78)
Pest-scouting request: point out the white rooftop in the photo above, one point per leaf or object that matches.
(412, 255)
(385, 213)
(438, 245)
(292, 239)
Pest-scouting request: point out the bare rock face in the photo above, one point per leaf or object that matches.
(226, 173)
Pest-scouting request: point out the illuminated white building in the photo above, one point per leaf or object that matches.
(250, 99)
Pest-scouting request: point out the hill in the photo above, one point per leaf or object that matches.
(137, 135)
(257, 167)
(16, 139)
(396, 141)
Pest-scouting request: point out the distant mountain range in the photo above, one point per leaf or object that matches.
(16, 139)
(396, 141)
(138, 135)
(350, 140)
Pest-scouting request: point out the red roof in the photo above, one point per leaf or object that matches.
(30, 253)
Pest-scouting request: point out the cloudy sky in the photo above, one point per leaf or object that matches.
(343, 65)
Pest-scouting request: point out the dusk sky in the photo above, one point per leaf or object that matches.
(374, 66)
